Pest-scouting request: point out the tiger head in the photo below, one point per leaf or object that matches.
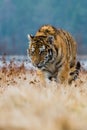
(41, 50)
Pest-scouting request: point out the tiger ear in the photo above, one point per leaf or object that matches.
(30, 37)
(50, 39)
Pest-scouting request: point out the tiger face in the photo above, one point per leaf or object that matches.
(41, 50)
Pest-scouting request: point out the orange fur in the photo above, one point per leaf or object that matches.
(60, 46)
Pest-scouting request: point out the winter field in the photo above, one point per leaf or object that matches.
(27, 103)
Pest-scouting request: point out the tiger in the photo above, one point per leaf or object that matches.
(54, 52)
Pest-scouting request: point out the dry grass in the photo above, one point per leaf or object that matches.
(27, 105)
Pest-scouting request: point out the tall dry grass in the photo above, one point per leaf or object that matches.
(26, 104)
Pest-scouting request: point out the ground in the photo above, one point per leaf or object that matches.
(26, 104)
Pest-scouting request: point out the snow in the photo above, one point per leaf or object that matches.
(84, 64)
(18, 60)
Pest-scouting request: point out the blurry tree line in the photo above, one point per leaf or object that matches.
(20, 17)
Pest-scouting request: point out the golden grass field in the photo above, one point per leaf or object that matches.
(26, 104)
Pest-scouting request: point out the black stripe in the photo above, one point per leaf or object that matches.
(78, 65)
(72, 64)
(56, 49)
(60, 65)
(74, 72)
(68, 45)
(59, 60)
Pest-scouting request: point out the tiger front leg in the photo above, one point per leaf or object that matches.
(41, 77)
(63, 74)
(72, 75)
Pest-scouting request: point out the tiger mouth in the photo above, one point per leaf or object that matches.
(41, 67)
(38, 65)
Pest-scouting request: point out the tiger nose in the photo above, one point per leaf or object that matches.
(38, 65)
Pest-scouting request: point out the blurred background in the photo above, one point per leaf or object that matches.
(21, 17)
